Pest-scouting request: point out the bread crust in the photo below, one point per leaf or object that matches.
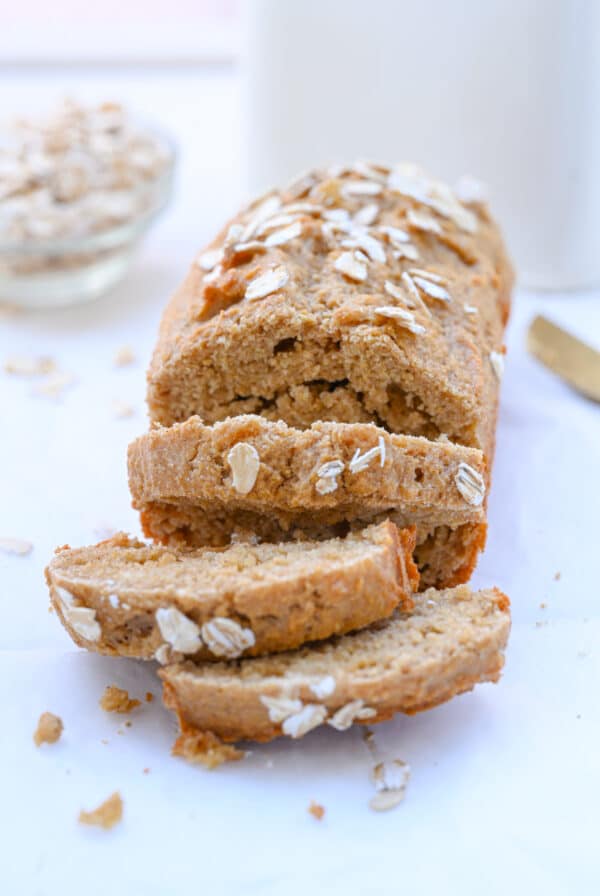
(336, 587)
(426, 668)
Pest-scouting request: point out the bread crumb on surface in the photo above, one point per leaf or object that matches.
(149, 696)
(557, 576)
(205, 748)
(543, 606)
(49, 729)
(122, 410)
(54, 384)
(116, 699)
(25, 365)
(316, 810)
(107, 815)
(124, 356)
(146, 771)
(16, 546)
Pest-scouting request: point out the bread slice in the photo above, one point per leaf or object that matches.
(365, 295)
(451, 641)
(201, 485)
(131, 599)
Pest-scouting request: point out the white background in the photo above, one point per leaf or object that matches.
(505, 781)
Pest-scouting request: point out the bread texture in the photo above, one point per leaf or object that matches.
(127, 598)
(358, 294)
(312, 483)
(450, 641)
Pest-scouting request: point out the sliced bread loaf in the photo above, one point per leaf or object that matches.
(450, 641)
(363, 293)
(244, 476)
(128, 598)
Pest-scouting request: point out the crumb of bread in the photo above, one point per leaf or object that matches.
(146, 771)
(54, 384)
(121, 409)
(543, 606)
(205, 748)
(16, 546)
(25, 365)
(49, 729)
(149, 696)
(557, 576)
(316, 810)
(116, 699)
(107, 815)
(124, 356)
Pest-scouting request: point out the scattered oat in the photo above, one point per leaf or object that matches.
(267, 283)
(122, 410)
(344, 717)
(107, 815)
(390, 780)
(316, 810)
(422, 222)
(226, 637)
(124, 356)
(210, 259)
(404, 318)
(16, 546)
(429, 275)
(470, 309)
(281, 708)
(331, 468)
(24, 365)
(49, 729)
(179, 632)
(310, 716)
(369, 245)
(352, 266)
(384, 800)
(431, 289)
(367, 215)
(326, 486)
(149, 696)
(279, 237)
(205, 748)
(360, 461)
(53, 385)
(323, 688)
(497, 362)
(116, 699)
(245, 463)
(361, 188)
(470, 484)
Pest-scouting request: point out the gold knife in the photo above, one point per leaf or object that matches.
(570, 358)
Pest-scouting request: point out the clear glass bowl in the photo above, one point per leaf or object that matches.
(51, 273)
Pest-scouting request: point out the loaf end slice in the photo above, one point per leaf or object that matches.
(451, 641)
(127, 598)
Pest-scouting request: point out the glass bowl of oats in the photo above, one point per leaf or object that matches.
(78, 190)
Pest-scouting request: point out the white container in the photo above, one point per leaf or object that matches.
(505, 90)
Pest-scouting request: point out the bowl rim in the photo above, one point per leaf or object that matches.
(118, 233)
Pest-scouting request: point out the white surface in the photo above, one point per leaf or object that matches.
(503, 796)
(505, 90)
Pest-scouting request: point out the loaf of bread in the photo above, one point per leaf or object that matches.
(450, 641)
(247, 476)
(127, 598)
(356, 294)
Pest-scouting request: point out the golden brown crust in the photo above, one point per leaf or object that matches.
(284, 595)
(315, 348)
(451, 641)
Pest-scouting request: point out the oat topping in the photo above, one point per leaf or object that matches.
(369, 245)
(323, 688)
(497, 362)
(326, 486)
(470, 484)
(422, 222)
(277, 222)
(407, 251)
(360, 461)
(470, 309)
(245, 463)
(405, 318)
(179, 632)
(116, 699)
(309, 717)
(281, 708)
(367, 215)
(262, 213)
(434, 290)
(429, 275)
(327, 476)
(470, 190)
(226, 637)
(267, 283)
(107, 815)
(352, 265)
(114, 601)
(395, 234)
(162, 654)
(16, 546)
(344, 717)
(209, 260)
(361, 188)
(279, 237)
(49, 729)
